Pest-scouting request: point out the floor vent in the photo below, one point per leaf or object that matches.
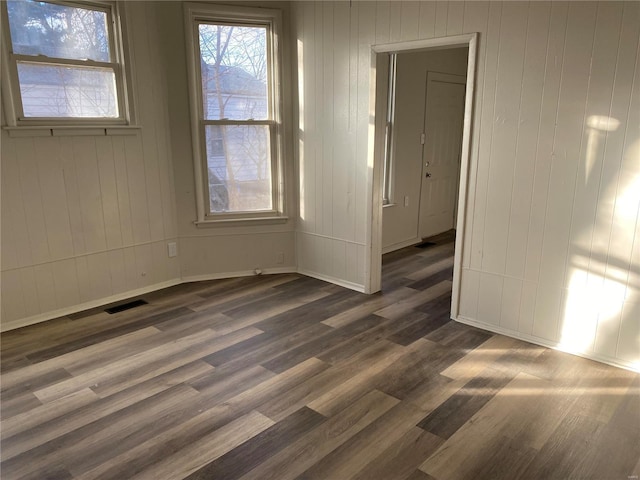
(425, 245)
(125, 306)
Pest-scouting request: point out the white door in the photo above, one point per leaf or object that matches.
(443, 123)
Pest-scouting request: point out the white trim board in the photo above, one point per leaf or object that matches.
(546, 343)
(336, 281)
(399, 245)
(43, 317)
(242, 273)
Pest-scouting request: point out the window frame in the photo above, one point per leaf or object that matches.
(194, 15)
(388, 169)
(13, 106)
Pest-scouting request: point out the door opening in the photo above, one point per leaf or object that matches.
(450, 180)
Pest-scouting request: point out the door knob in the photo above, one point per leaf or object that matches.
(428, 175)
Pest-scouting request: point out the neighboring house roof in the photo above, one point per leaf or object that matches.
(234, 80)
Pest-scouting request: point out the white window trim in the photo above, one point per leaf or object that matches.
(122, 59)
(388, 189)
(194, 12)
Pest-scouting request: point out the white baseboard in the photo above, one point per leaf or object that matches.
(328, 278)
(242, 273)
(398, 246)
(43, 317)
(546, 343)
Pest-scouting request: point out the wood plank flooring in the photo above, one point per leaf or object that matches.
(288, 377)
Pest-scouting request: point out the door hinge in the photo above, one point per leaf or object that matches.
(422, 138)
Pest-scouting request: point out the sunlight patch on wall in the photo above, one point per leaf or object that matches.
(590, 299)
(598, 125)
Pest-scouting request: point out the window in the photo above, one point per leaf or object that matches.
(235, 111)
(65, 63)
(388, 133)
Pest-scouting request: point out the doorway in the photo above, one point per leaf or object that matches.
(457, 191)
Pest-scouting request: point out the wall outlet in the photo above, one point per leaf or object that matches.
(280, 258)
(406, 200)
(172, 249)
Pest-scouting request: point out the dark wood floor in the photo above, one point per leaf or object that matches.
(283, 376)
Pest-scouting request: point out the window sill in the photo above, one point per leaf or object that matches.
(228, 222)
(69, 130)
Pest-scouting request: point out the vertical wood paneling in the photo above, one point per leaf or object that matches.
(455, 18)
(527, 307)
(485, 129)
(13, 300)
(28, 282)
(28, 179)
(410, 20)
(75, 208)
(533, 84)
(15, 250)
(98, 265)
(352, 137)
(442, 13)
(369, 18)
(328, 120)
(427, 21)
(504, 134)
(137, 189)
(321, 133)
(627, 347)
(51, 181)
(108, 187)
(490, 298)
(592, 179)
(45, 288)
(469, 290)
(86, 162)
(148, 94)
(65, 278)
(131, 268)
(122, 189)
(546, 135)
(341, 160)
(570, 122)
(618, 198)
(162, 201)
(383, 25)
(73, 196)
(547, 196)
(510, 309)
(118, 271)
(395, 21)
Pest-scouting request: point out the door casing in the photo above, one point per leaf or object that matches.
(375, 156)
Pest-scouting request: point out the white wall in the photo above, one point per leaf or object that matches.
(552, 245)
(86, 218)
(400, 221)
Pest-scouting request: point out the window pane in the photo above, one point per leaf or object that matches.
(40, 28)
(233, 60)
(239, 168)
(56, 91)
